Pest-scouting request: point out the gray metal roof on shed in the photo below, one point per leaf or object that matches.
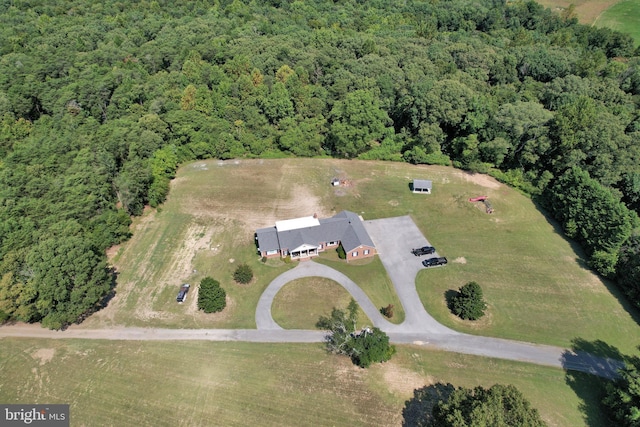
(422, 183)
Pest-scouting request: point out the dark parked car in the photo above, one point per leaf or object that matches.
(425, 250)
(432, 262)
(182, 295)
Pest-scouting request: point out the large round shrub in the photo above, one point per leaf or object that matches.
(211, 297)
(469, 304)
(243, 274)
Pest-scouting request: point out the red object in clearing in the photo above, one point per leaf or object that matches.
(478, 199)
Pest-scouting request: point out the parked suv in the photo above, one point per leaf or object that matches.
(432, 262)
(425, 250)
(182, 294)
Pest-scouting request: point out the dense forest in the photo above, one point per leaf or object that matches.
(101, 101)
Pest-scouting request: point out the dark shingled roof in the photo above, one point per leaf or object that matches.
(268, 239)
(344, 226)
(354, 233)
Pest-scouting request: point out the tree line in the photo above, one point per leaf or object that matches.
(100, 103)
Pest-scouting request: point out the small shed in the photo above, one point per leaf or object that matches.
(422, 186)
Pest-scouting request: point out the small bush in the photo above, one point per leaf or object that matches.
(387, 311)
(341, 253)
(469, 304)
(211, 297)
(243, 274)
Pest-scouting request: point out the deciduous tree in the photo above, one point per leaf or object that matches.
(497, 406)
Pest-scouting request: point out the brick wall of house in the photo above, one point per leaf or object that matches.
(359, 252)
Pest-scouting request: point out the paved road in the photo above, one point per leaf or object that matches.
(482, 346)
(394, 238)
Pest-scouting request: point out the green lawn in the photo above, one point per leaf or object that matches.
(234, 384)
(371, 276)
(535, 281)
(624, 16)
(300, 303)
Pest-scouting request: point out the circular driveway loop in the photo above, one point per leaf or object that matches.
(394, 238)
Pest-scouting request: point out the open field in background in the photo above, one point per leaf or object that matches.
(535, 281)
(620, 15)
(623, 16)
(202, 383)
(300, 303)
(587, 11)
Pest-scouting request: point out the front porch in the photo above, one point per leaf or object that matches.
(304, 251)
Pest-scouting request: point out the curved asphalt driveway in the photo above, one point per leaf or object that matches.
(264, 320)
(394, 238)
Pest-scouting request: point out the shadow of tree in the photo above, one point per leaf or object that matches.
(417, 411)
(589, 365)
(581, 260)
(104, 301)
(594, 357)
(449, 295)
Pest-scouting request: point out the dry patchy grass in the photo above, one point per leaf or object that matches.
(238, 384)
(587, 11)
(534, 280)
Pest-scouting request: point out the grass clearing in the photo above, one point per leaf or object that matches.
(300, 303)
(587, 11)
(623, 16)
(534, 280)
(619, 15)
(205, 383)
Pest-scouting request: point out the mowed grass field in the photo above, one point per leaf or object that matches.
(300, 303)
(624, 16)
(620, 15)
(535, 281)
(206, 228)
(587, 11)
(125, 383)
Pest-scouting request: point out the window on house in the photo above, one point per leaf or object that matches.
(354, 254)
(366, 252)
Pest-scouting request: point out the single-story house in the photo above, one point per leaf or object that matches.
(306, 237)
(422, 186)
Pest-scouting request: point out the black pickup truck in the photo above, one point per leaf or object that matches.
(425, 250)
(432, 262)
